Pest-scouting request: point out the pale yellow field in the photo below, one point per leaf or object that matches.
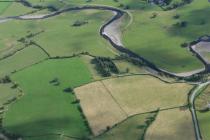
(99, 107)
(138, 94)
(110, 101)
(172, 125)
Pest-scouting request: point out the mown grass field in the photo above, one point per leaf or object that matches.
(70, 39)
(99, 107)
(49, 109)
(21, 59)
(135, 95)
(46, 108)
(159, 39)
(172, 124)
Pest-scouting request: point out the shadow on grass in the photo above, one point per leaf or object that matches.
(197, 24)
(48, 127)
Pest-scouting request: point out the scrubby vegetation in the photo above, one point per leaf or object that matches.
(105, 66)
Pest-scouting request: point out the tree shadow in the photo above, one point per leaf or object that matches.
(47, 127)
(198, 24)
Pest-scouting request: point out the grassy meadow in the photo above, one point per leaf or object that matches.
(21, 59)
(4, 6)
(14, 9)
(7, 92)
(159, 39)
(59, 33)
(46, 106)
(70, 39)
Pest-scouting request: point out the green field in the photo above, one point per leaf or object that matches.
(50, 138)
(16, 9)
(21, 59)
(60, 92)
(132, 4)
(45, 107)
(159, 40)
(68, 39)
(4, 6)
(164, 43)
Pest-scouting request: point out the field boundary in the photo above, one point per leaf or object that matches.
(110, 93)
(131, 116)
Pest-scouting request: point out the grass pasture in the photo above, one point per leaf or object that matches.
(14, 9)
(4, 6)
(135, 95)
(132, 4)
(172, 124)
(46, 108)
(21, 59)
(69, 39)
(72, 40)
(159, 39)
